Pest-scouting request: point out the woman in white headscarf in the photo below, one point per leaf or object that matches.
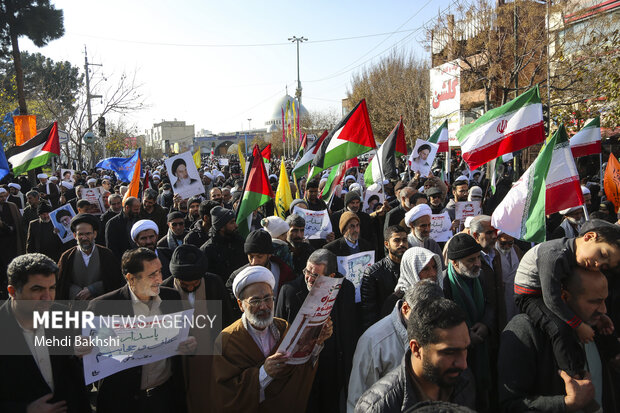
(417, 264)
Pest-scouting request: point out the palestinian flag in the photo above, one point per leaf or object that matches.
(521, 214)
(352, 137)
(334, 178)
(36, 152)
(266, 154)
(440, 137)
(383, 165)
(509, 128)
(302, 146)
(588, 140)
(256, 192)
(562, 182)
(301, 168)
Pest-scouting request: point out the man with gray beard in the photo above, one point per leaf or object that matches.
(248, 375)
(42, 235)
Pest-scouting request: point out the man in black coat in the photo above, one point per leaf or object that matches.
(199, 232)
(154, 387)
(350, 243)
(336, 358)
(48, 190)
(224, 250)
(380, 279)
(41, 236)
(52, 380)
(118, 229)
(116, 206)
(300, 249)
(396, 215)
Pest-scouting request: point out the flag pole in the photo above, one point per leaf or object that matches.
(585, 212)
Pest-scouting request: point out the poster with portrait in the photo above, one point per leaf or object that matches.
(318, 224)
(422, 157)
(61, 219)
(93, 195)
(184, 176)
(67, 175)
(353, 268)
(373, 199)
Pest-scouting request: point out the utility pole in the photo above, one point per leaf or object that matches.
(89, 96)
(298, 40)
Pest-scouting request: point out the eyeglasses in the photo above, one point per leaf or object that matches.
(256, 302)
(309, 274)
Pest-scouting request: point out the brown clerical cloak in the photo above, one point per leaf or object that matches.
(236, 375)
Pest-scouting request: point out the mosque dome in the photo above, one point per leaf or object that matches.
(274, 120)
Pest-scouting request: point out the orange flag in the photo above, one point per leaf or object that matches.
(25, 128)
(612, 181)
(134, 185)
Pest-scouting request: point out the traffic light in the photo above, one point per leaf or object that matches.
(101, 125)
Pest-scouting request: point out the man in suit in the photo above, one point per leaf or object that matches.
(117, 232)
(48, 190)
(350, 243)
(42, 235)
(179, 170)
(155, 387)
(35, 378)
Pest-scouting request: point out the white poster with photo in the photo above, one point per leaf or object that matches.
(93, 195)
(353, 267)
(318, 224)
(422, 157)
(466, 209)
(440, 227)
(67, 175)
(374, 203)
(183, 175)
(223, 161)
(301, 337)
(132, 345)
(61, 219)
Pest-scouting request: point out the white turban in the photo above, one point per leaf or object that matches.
(66, 184)
(584, 190)
(92, 181)
(16, 186)
(468, 221)
(3, 191)
(42, 176)
(53, 178)
(346, 178)
(417, 212)
(209, 175)
(143, 225)
(106, 177)
(252, 275)
(275, 226)
(569, 210)
(461, 178)
(356, 187)
(84, 172)
(156, 176)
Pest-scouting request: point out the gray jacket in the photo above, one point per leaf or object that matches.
(396, 393)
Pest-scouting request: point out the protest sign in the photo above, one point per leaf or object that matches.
(223, 161)
(303, 333)
(369, 209)
(61, 219)
(423, 156)
(440, 227)
(353, 267)
(466, 209)
(184, 175)
(68, 175)
(132, 345)
(318, 224)
(93, 195)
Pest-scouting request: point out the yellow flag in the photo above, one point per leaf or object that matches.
(241, 159)
(197, 159)
(283, 193)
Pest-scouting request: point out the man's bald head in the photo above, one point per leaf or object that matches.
(585, 292)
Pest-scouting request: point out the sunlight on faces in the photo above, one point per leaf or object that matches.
(460, 192)
(193, 209)
(85, 236)
(352, 230)
(147, 239)
(145, 284)
(429, 271)
(443, 361)
(435, 200)
(594, 254)
(397, 244)
(469, 266)
(354, 205)
(504, 243)
(149, 204)
(177, 226)
(36, 295)
(312, 271)
(45, 217)
(487, 238)
(422, 227)
(296, 234)
(589, 303)
(216, 194)
(259, 260)
(260, 314)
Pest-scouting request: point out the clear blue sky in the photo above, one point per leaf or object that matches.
(219, 88)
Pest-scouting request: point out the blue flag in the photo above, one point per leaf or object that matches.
(4, 165)
(123, 167)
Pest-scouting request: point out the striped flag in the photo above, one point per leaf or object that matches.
(301, 168)
(509, 128)
(440, 137)
(383, 165)
(562, 182)
(36, 152)
(334, 178)
(588, 140)
(256, 192)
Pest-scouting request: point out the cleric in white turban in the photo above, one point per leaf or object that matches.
(417, 212)
(419, 220)
(251, 275)
(143, 225)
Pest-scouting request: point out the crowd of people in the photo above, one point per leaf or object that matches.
(481, 322)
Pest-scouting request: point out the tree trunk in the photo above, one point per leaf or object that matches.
(19, 73)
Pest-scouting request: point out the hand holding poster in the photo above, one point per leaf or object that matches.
(423, 156)
(466, 209)
(318, 224)
(353, 267)
(131, 345)
(184, 175)
(440, 227)
(93, 195)
(61, 219)
(302, 335)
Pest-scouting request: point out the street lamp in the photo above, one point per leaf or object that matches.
(298, 40)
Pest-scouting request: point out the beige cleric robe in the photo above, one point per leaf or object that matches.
(236, 372)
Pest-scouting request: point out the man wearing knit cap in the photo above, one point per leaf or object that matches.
(41, 235)
(248, 376)
(48, 190)
(199, 290)
(87, 270)
(176, 233)
(259, 251)
(224, 248)
(193, 211)
(463, 285)
(118, 229)
(351, 242)
(435, 199)
(145, 233)
(418, 219)
(300, 248)
(199, 233)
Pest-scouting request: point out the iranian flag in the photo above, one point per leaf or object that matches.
(256, 192)
(509, 128)
(440, 137)
(36, 152)
(549, 184)
(383, 165)
(350, 138)
(301, 168)
(588, 140)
